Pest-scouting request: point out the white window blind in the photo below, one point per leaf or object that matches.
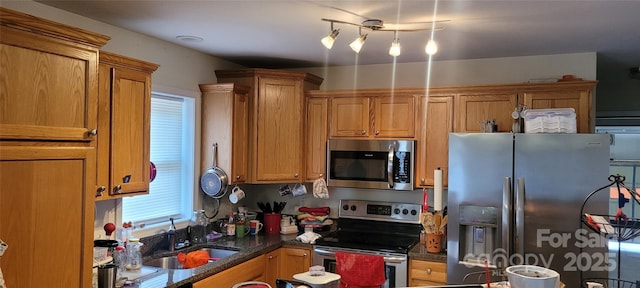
(172, 143)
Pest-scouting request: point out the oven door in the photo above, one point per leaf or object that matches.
(395, 264)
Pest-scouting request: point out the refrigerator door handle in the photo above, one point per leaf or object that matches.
(519, 239)
(507, 216)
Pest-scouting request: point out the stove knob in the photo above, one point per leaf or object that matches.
(396, 211)
(405, 211)
(353, 207)
(345, 207)
(414, 212)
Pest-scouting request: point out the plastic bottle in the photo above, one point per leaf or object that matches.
(231, 225)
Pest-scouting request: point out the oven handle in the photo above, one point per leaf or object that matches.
(387, 259)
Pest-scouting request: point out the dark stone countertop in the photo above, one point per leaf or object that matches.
(248, 248)
(419, 252)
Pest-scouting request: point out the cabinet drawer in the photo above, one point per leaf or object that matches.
(428, 271)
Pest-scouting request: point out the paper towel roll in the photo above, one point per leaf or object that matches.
(437, 189)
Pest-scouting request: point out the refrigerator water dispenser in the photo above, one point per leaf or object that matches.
(479, 234)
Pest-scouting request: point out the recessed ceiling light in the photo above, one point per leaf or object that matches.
(189, 38)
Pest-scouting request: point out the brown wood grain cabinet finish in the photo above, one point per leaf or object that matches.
(276, 122)
(435, 123)
(252, 270)
(225, 122)
(427, 273)
(48, 119)
(123, 126)
(316, 138)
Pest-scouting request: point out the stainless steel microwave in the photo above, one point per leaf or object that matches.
(375, 164)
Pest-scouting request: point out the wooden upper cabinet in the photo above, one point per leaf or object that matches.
(123, 126)
(49, 76)
(576, 95)
(473, 107)
(435, 122)
(350, 117)
(316, 138)
(225, 122)
(379, 116)
(48, 128)
(277, 118)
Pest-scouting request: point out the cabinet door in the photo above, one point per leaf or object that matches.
(49, 88)
(294, 261)
(577, 99)
(272, 267)
(426, 273)
(471, 110)
(436, 121)
(317, 120)
(240, 134)
(279, 130)
(252, 270)
(349, 117)
(130, 103)
(46, 215)
(394, 117)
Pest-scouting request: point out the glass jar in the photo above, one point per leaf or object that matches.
(134, 257)
(198, 225)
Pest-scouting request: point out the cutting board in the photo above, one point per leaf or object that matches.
(135, 274)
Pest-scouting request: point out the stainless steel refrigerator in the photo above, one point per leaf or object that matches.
(516, 199)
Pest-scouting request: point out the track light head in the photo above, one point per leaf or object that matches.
(394, 50)
(431, 48)
(329, 39)
(356, 45)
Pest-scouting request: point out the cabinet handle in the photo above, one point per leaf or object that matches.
(296, 175)
(428, 271)
(116, 190)
(377, 132)
(93, 132)
(100, 190)
(363, 132)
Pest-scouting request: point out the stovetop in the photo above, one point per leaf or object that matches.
(377, 226)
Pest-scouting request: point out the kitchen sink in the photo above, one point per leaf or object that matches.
(171, 262)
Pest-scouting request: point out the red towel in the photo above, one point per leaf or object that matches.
(359, 270)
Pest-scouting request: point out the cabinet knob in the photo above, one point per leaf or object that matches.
(296, 175)
(304, 255)
(238, 177)
(100, 190)
(429, 271)
(93, 132)
(422, 181)
(116, 190)
(377, 132)
(321, 175)
(363, 132)
(270, 257)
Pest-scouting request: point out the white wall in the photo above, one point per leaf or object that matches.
(459, 72)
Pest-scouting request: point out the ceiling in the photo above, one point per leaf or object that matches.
(287, 33)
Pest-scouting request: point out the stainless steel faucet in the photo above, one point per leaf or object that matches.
(171, 233)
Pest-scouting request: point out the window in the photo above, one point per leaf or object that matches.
(172, 151)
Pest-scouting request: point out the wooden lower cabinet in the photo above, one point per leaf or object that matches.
(426, 273)
(272, 266)
(294, 261)
(252, 270)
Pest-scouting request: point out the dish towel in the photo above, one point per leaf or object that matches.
(320, 190)
(359, 270)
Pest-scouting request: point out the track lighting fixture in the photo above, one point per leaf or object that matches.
(394, 50)
(356, 45)
(329, 39)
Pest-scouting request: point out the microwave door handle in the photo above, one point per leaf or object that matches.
(392, 152)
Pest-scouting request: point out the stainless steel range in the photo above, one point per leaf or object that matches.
(374, 228)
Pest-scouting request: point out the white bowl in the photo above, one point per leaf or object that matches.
(529, 276)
